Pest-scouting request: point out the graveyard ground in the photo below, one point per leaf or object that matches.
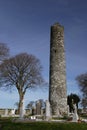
(7, 124)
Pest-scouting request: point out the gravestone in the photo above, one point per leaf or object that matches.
(6, 112)
(38, 108)
(48, 110)
(75, 115)
(34, 110)
(13, 112)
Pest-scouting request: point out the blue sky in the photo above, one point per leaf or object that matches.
(25, 27)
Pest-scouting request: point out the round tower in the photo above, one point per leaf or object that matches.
(57, 88)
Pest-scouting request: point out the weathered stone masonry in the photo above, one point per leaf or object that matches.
(57, 91)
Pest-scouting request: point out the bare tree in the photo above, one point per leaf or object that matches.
(4, 51)
(84, 103)
(23, 72)
(30, 105)
(82, 82)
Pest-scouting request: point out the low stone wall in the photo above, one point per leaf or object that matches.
(12, 112)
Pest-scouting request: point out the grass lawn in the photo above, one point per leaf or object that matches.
(8, 125)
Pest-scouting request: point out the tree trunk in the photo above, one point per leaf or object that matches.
(21, 105)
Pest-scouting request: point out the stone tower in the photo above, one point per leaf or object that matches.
(57, 88)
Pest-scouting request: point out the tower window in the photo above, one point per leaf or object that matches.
(55, 51)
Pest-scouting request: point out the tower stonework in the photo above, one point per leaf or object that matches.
(57, 88)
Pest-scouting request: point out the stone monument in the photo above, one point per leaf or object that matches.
(48, 110)
(6, 112)
(75, 115)
(57, 79)
(38, 108)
